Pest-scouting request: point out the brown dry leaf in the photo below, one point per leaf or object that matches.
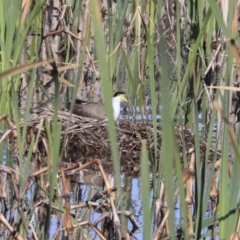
(66, 82)
(24, 67)
(68, 67)
(235, 51)
(26, 7)
(226, 88)
(235, 21)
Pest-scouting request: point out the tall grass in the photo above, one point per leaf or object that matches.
(134, 37)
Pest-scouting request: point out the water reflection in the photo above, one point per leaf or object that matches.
(86, 185)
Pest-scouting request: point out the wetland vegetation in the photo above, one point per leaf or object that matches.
(63, 176)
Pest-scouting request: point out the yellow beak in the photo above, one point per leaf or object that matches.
(123, 98)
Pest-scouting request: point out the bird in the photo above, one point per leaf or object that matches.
(97, 110)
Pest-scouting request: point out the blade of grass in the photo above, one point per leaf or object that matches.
(106, 85)
(145, 191)
(168, 139)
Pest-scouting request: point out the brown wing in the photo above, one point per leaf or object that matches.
(90, 110)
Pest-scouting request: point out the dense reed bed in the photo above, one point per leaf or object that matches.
(181, 58)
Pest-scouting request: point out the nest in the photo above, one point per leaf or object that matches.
(83, 139)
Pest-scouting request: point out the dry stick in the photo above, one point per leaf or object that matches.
(90, 225)
(204, 76)
(187, 173)
(44, 140)
(5, 134)
(208, 69)
(76, 167)
(31, 133)
(46, 201)
(83, 214)
(65, 30)
(188, 198)
(107, 184)
(234, 236)
(65, 7)
(3, 186)
(85, 204)
(6, 170)
(98, 232)
(42, 170)
(14, 233)
(33, 231)
(38, 134)
(190, 221)
(11, 172)
(100, 219)
(187, 176)
(69, 13)
(189, 194)
(15, 188)
(159, 204)
(217, 165)
(160, 229)
(66, 196)
(11, 125)
(189, 202)
(238, 225)
(164, 211)
(131, 218)
(76, 225)
(213, 191)
(116, 219)
(55, 235)
(213, 195)
(3, 117)
(212, 61)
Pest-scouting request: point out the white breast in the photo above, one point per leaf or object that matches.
(116, 107)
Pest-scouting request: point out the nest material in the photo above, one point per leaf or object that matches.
(83, 139)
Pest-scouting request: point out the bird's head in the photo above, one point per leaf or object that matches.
(121, 96)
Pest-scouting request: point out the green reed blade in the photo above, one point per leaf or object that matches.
(145, 191)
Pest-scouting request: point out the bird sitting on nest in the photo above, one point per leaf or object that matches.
(97, 110)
